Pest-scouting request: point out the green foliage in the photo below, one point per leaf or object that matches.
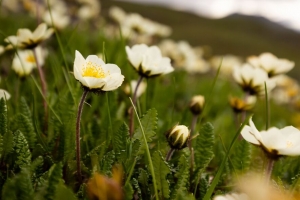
(149, 123)
(62, 192)
(182, 177)
(204, 148)
(7, 143)
(161, 170)
(22, 150)
(128, 191)
(107, 163)
(54, 178)
(242, 156)
(119, 141)
(3, 117)
(21, 185)
(25, 125)
(143, 181)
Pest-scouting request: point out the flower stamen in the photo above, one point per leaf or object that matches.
(93, 70)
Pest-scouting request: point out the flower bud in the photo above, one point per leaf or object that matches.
(196, 104)
(178, 136)
(240, 105)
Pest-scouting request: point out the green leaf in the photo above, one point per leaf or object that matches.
(161, 170)
(25, 125)
(55, 176)
(182, 176)
(3, 117)
(7, 143)
(137, 188)
(128, 190)
(119, 142)
(222, 165)
(19, 187)
(149, 123)
(203, 186)
(107, 163)
(143, 180)
(24, 108)
(242, 157)
(204, 151)
(62, 192)
(22, 149)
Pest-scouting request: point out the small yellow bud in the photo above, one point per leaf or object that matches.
(178, 136)
(196, 104)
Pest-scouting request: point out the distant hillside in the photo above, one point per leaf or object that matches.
(236, 34)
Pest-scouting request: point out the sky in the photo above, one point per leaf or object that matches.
(285, 12)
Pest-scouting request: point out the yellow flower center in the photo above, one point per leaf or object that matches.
(93, 70)
(289, 144)
(30, 59)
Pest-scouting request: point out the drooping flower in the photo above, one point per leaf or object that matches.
(252, 80)
(24, 61)
(197, 104)
(178, 136)
(271, 64)
(148, 61)
(4, 94)
(25, 39)
(274, 141)
(93, 73)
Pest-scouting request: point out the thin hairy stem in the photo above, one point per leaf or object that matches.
(134, 99)
(80, 106)
(269, 169)
(44, 86)
(170, 154)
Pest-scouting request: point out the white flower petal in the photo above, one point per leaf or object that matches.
(4, 94)
(113, 82)
(248, 135)
(39, 31)
(94, 83)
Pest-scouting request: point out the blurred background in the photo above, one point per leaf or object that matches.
(239, 27)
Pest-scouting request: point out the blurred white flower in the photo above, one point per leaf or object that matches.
(271, 64)
(4, 94)
(232, 196)
(274, 141)
(228, 63)
(89, 9)
(24, 61)
(93, 73)
(148, 61)
(59, 13)
(129, 89)
(117, 14)
(252, 80)
(25, 39)
(2, 49)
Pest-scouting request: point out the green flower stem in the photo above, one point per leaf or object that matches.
(134, 98)
(147, 152)
(80, 106)
(269, 169)
(190, 144)
(267, 108)
(170, 154)
(44, 86)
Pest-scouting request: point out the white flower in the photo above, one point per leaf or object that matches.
(117, 14)
(228, 63)
(232, 196)
(148, 61)
(26, 39)
(24, 61)
(89, 9)
(285, 141)
(252, 80)
(4, 94)
(93, 73)
(271, 64)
